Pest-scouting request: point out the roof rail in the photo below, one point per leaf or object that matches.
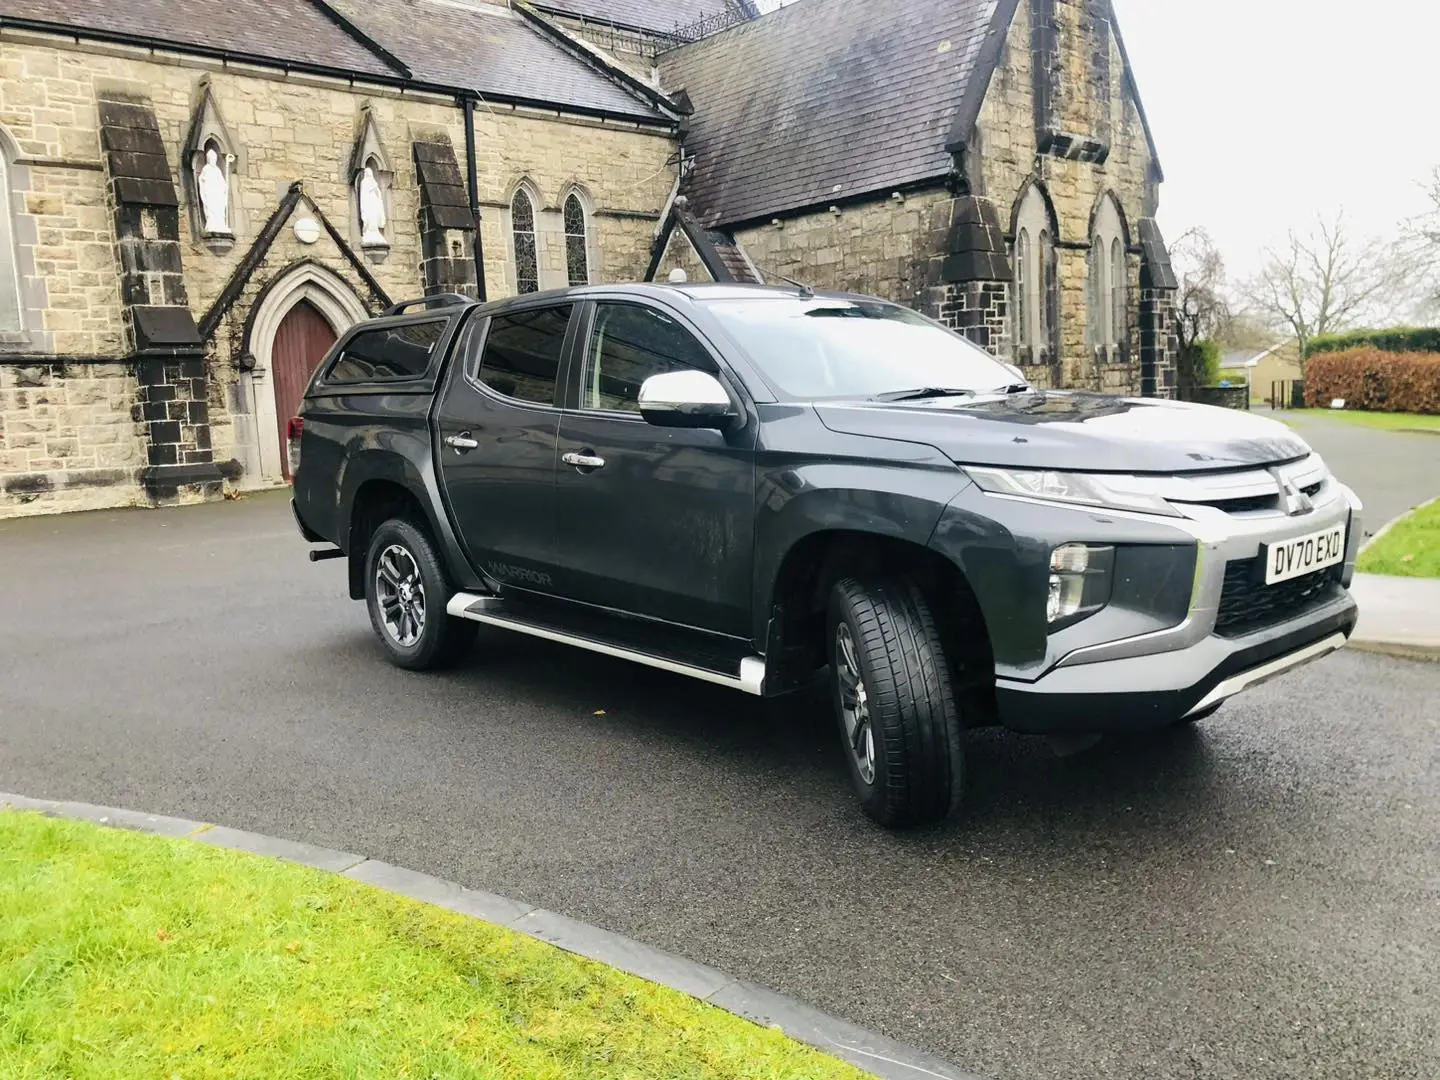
(448, 299)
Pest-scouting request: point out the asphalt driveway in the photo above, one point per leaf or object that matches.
(1391, 471)
(1259, 898)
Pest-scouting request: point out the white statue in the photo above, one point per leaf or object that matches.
(214, 194)
(372, 211)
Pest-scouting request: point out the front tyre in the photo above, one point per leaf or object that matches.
(895, 702)
(406, 591)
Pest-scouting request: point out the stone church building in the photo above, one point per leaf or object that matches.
(198, 196)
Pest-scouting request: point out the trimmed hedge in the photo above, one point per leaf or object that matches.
(1401, 339)
(1375, 380)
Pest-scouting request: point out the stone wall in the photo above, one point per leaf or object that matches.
(68, 438)
(680, 254)
(47, 107)
(881, 248)
(284, 130)
(623, 177)
(1079, 65)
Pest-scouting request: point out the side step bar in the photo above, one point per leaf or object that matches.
(490, 611)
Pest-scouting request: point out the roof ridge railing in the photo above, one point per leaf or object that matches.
(448, 299)
(707, 25)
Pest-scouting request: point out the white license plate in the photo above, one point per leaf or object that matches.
(1303, 555)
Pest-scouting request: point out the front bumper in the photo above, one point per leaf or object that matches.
(1153, 679)
(1142, 692)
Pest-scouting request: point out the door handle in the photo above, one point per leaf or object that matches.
(583, 461)
(462, 442)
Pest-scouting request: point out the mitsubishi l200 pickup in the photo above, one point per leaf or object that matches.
(772, 488)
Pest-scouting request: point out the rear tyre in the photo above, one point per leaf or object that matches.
(895, 702)
(406, 591)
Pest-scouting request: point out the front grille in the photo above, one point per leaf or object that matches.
(1247, 604)
(1246, 505)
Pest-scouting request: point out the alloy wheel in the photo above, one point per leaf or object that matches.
(401, 595)
(854, 704)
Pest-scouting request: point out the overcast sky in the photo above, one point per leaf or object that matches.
(1268, 112)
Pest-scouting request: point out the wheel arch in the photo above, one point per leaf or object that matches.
(377, 485)
(809, 569)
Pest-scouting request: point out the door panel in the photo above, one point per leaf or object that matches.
(301, 342)
(664, 528)
(497, 426)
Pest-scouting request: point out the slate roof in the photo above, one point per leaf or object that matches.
(488, 49)
(826, 99)
(659, 15)
(485, 48)
(284, 30)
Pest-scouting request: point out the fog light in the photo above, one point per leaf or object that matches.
(1079, 582)
(1067, 596)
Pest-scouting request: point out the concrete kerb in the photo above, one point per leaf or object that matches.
(1395, 521)
(876, 1054)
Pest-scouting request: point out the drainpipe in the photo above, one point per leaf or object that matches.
(474, 184)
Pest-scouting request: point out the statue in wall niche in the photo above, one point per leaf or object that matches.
(214, 194)
(372, 211)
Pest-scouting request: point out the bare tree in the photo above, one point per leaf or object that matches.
(1325, 282)
(1420, 247)
(1202, 309)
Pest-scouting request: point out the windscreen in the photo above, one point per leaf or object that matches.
(822, 348)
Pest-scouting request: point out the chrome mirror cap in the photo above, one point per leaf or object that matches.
(692, 399)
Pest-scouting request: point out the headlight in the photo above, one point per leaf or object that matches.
(1114, 491)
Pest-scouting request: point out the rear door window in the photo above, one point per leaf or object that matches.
(388, 353)
(522, 354)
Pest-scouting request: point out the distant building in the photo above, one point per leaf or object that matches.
(198, 197)
(1269, 372)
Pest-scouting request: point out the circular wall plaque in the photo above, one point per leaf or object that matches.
(307, 230)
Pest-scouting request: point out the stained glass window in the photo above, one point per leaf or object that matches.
(522, 224)
(577, 256)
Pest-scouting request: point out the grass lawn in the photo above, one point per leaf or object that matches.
(126, 955)
(1385, 421)
(1410, 549)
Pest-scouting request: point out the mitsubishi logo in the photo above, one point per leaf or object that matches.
(1295, 501)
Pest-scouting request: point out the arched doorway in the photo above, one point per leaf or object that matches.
(287, 342)
(301, 342)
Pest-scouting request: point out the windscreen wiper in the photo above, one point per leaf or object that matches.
(922, 393)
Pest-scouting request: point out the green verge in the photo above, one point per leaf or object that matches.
(127, 955)
(1411, 548)
(1383, 421)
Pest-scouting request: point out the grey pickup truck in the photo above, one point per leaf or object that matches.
(776, 489)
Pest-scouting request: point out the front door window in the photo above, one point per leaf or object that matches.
(629, 344)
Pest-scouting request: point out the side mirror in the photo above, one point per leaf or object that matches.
(686, 399)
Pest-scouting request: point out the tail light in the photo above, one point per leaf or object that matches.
(293, 431)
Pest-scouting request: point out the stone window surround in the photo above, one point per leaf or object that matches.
(524, 187)
(549, 225)
(19, 235)
(1035, 280)
(1107, 281)
(587, 230)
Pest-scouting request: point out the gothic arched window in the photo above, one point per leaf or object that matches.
(1108, 329)
(577, 241)
(9, 271)
(1036, 293)
(522, 227)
